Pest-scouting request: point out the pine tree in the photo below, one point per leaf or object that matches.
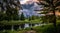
(51, 5)
(22, 17)
(10, 8)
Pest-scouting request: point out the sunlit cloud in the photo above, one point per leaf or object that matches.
(28, 1)
(35, 0)
(24, 1)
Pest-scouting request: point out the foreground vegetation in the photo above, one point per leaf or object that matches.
(49, 28)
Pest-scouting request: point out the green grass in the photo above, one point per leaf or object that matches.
(18, 22)
(49, 28)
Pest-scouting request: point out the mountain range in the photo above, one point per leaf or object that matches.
(28, 9)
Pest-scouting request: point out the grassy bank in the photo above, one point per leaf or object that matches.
(18, 22)
(49, 28)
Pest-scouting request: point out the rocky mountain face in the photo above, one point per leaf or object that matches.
(29, 9)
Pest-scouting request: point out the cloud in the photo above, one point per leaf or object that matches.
(23, 1)
(28, 1)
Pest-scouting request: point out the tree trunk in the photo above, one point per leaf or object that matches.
(12, 27)
(54, 18)
(19, 27)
